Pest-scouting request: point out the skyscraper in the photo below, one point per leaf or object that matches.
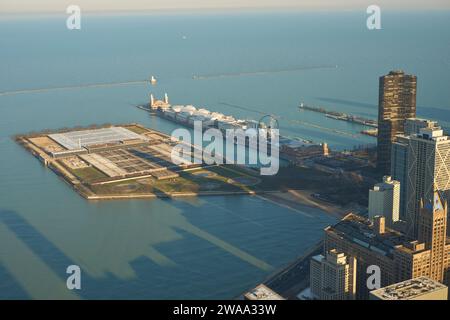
(384, 200)
(399, 156)
(333, 277)
(397, 102)
(428, 171)
(433, 232)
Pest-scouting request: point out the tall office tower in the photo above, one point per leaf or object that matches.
(433, 232)
(397, 102)
(399, 156)
(333, 277)
(428, 171)
(384, 200)
(428, 255)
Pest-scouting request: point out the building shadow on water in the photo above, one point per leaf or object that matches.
(10, 288)
(44, 251)
(189, 276)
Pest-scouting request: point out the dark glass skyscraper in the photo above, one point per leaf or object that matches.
(397, 102)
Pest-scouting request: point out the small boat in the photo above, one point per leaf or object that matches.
(153, 80)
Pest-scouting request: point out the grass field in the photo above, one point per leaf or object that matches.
(89, 174)
(215, 179)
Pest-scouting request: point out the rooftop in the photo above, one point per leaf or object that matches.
(396, 72)
(409, 289)
(360, 230)
(83, 138)
(261, 292)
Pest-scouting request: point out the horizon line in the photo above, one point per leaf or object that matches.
(224, 10)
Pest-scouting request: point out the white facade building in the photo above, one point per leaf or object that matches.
(384, 200)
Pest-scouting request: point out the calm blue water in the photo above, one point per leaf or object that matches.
(193, 248)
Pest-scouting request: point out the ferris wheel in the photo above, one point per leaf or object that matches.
(268, 122)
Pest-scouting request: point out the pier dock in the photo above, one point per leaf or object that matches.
(341, 116)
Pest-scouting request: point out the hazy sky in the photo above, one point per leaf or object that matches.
(148, 5)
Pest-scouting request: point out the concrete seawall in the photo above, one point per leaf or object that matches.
(177, 195)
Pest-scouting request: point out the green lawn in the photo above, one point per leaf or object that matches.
(89, 174)
(186, 182)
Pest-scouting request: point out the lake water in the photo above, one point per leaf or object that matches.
(212, 247)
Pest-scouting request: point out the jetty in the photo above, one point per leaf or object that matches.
(341, 116)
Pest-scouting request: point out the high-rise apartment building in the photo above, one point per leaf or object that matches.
(333, 277)
(428, 171)
(384, 200)
(396, 103)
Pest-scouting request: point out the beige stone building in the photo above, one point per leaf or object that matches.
(398, 257)
(421, 288)
(333, 277)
